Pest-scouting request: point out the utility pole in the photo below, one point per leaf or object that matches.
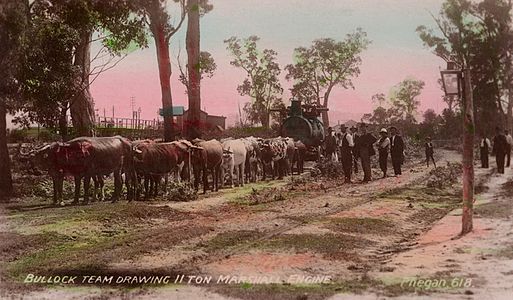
(468, 153)
(459, 83)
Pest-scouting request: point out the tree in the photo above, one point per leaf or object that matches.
(404, 99)
(195, 9)
(207, 68)
(159, 22)
(430, 125)
(478, 36)
(379, 116)
(474, 34)
(379, 98)
(13, 20)
(261, 83)
(326, 64)
(57, 69)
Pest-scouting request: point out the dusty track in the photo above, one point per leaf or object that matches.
(342, 231)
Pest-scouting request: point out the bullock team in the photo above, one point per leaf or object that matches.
(142, 165)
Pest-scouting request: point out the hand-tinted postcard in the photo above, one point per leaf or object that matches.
(256, 149)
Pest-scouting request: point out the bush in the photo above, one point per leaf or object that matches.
(329, 169)
(182, 191)
(17, 136)
(441, 177)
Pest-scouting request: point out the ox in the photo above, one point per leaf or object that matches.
(299, 156)
(85, 158)
(274, 155)
(154, 160)
(234, 159)
(253, 157)
(289, 154)
(208, 157)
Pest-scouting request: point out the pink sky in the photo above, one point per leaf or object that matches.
(396, 53)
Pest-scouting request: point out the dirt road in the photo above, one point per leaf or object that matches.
(285, 233)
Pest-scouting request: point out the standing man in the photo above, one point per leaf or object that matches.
(383, 147)
(346, 153)
(430, 150)
(509, 140)
(354, 134)
(396, 150)
(484, 150)
(500, 146)
(365, 151)
(331, 145)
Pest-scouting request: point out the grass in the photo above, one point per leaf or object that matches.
(331, 246)
(291, 291)
(238, 195)
(50, 240)
(361, 225)
(496, 209)
(231, 239)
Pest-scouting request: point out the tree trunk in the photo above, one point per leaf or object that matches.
(509, 117)
(164, 64)
(468, 154)
(324, 113)
(6, 188)
(193, 69)
(63, 125)
(82, 106)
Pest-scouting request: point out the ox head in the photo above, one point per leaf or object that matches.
(227, 153)
(39, 157)
(137, 153)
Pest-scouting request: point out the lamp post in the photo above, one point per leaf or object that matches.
(458, 82)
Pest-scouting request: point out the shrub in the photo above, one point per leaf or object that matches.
(182, 191)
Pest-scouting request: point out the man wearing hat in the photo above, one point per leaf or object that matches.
(365, 151)
(331, 145)
(396, 150)
(430, 150)
(354, 135)
(383, 145)
(346, 152)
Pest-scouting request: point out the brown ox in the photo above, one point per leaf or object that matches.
(207, 158)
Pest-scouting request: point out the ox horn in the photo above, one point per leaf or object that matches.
(136, 150)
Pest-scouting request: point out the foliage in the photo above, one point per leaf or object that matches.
(379, 98)
(50, 72)
(12, 27)
(181, 191)
(325, 64)
(430, 126)
(207, 67)
(262, 82)
(404, 100)
(17, 136)
(444, 176)
(329, 169)
(478, 35)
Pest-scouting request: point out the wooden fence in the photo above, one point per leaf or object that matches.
(127, 123)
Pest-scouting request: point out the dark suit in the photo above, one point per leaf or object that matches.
(484, 150)
(396, 152)
(365, 151)
(346, 157)
(355, 152)
(429, 149)
(500, 147)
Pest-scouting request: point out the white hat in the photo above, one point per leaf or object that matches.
(383, 130)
